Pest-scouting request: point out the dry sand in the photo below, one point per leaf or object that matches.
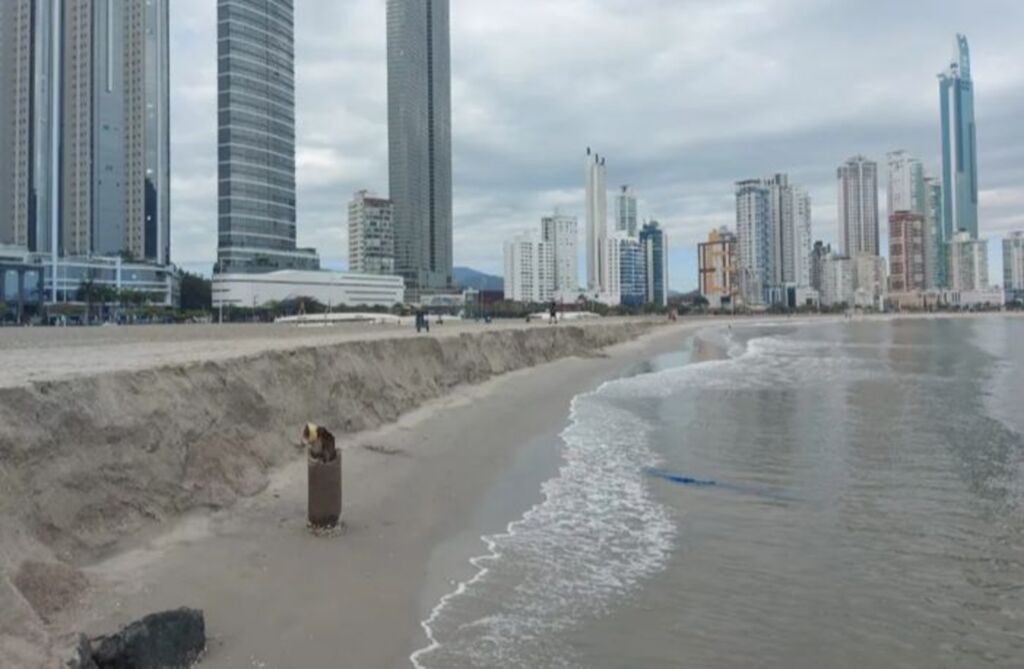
(50, 354)
(89, 461)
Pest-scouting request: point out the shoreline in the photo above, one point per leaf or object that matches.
(412, 495)
(411, 489)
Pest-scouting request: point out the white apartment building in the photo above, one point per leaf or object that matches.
(906, 191)
(597, 220)
(838, 281)
(802, 237)
(371, 234)
(871, 281)
(968, 263)
(1013, 262)
(753, 235)
(562, 232)
(611, 279)
(529, 269)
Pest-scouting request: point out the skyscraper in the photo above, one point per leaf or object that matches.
(801, 238)
(419, 140)
(597, 221)
(858, 207)
(625, 211)
(753, 238)
(655, 245)
(781, 254)
(632, 269)
(562, 232)
(256, 145)
(959, 147)
(91, 80)
(28, 120)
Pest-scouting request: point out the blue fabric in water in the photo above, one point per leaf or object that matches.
(679, 479)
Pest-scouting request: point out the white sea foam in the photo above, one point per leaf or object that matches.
(596, 535)
(599, 532)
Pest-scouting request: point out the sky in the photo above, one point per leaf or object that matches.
(683, 97)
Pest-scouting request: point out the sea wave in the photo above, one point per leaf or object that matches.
(592, 540)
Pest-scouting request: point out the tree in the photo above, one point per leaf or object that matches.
(87, 293)
(196, 292)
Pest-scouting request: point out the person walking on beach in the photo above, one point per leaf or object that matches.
(552, 313)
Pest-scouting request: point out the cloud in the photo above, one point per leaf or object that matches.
(684, 97)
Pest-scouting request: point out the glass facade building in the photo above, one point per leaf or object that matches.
(85, 117)
(632, 271)
(959, 147)
(256, 138)
(419, 140)
(655, 245)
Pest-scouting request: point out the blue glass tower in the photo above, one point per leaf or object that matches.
(655, 245)
(959, 147)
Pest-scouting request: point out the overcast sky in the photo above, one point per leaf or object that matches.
(683, 97)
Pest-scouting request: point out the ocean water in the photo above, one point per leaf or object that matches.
(807, 495)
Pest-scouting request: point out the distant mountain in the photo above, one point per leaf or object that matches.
(465, 277)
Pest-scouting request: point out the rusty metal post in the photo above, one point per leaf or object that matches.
(324, 493)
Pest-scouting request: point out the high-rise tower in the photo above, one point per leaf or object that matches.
(858, 207)
(625, 212)
(256, 144)
(86, 126)
(959, 147)
(597, 220)
(420, 140)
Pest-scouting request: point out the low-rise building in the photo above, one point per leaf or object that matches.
(33, 279)
(328, 288)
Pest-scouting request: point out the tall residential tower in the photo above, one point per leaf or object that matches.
(959, 147)
(420, 141)
(85, 127)
(597, 221)
(858, 207)
(256, 143)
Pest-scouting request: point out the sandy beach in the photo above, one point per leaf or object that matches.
(276, 596)
(175, 485)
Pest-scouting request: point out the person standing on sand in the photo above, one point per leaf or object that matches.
(553, 313)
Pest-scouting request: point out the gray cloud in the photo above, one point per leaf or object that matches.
(684, 97)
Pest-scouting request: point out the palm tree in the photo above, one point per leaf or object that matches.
(87, 293)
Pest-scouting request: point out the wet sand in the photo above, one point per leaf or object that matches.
(276, 596)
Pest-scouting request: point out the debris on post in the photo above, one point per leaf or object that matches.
(324, 477)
